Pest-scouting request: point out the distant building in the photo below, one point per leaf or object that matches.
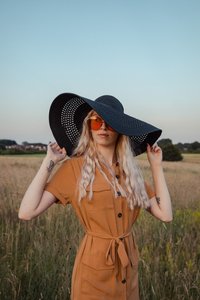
(35, 146)
(28, 147)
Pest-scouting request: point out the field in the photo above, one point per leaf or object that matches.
(36, 257)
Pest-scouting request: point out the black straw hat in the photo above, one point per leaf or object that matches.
(68, 111)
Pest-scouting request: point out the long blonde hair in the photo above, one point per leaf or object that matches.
(134, 190)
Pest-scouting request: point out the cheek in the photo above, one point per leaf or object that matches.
(115, 136)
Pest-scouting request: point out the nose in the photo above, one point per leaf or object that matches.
(103, 125)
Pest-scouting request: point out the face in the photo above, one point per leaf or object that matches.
(103, 134)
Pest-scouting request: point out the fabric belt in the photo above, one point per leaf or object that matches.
(111, 253)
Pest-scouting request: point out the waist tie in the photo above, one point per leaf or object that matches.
(110, 253)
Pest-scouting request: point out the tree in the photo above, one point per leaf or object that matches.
(7, 142)
(164, 142)
(195, 146)
(2, 147)
(170, 152)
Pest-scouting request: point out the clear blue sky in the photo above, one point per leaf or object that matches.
(145, 52)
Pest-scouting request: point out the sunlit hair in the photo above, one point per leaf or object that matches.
(133, 188)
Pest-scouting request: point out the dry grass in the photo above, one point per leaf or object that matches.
(37, 257)
(182, 179)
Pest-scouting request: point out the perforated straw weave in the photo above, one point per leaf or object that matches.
(67, 119)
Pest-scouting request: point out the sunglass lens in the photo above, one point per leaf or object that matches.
(96, 123)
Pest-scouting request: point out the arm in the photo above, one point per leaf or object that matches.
(161, 203)
(36, 200)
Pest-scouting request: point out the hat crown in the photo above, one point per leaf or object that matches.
(111, 101)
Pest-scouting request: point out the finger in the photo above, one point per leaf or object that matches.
(51, 144)
(148, 148)
(155, 147)
(57, 148)
(152, 149)
(54, 146)
(157, 150)
(64, 150)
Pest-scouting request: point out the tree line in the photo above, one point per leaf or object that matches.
(171, 152)
(9, 147)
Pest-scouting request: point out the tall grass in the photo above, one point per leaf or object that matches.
(36, 257)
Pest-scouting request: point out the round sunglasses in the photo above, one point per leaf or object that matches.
(96, 123)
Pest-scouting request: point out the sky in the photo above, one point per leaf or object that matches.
(146, 53)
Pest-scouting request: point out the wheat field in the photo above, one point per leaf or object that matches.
(36, 257)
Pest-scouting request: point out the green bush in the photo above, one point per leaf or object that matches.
(170, 152)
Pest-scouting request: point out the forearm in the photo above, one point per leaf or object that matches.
(162, 194)
(35, 191)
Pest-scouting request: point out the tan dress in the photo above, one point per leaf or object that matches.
(106, 265)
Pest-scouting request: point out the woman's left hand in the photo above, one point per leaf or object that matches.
(154, 155)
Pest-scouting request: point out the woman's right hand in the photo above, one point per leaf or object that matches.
(55, 153)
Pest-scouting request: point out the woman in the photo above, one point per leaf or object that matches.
(103, 183)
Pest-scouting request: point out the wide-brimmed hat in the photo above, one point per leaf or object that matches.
(68, 111)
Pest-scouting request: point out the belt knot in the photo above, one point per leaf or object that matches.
(111, 253)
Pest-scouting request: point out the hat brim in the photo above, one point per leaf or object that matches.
(68, 111)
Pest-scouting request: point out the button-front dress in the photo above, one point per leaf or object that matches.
(106, 264)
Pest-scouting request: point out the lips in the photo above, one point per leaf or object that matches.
(103, 135)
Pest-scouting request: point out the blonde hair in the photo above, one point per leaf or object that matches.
(134, 190)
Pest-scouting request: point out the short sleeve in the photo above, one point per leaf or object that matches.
(149, 190)
(62, 184)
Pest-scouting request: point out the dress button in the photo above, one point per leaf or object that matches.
(118, 193)
(124, 280)
(117, 176)
(119, 215)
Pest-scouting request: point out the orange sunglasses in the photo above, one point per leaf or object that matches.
(96, 123)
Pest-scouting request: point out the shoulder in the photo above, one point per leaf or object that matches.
(75, 163)
(71, 162)
(76, 159)
(66, 173)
